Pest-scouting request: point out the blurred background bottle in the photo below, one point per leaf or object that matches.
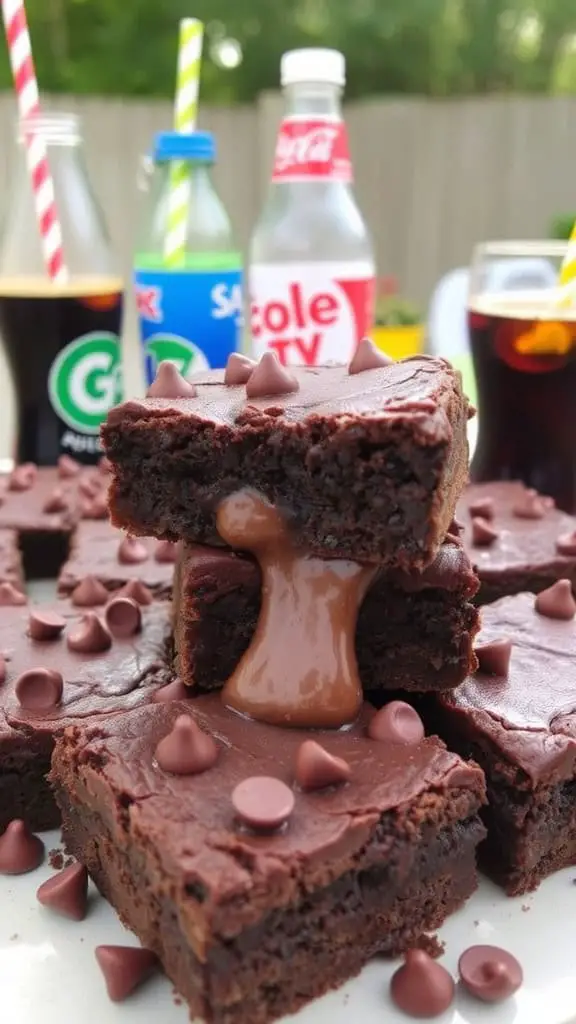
(312, 275)
(61, 337)
(189, 297)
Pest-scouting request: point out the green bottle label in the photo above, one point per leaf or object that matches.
(201, 262)
(85, 380)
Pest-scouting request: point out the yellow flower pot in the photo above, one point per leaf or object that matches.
(399, 341)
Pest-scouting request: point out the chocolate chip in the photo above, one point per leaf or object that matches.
(172, 691)
(169, 383)
(90, 637)
(132, 551)
(566, 544)
(20, 850)
(55, 502)
(66, 893)
(317, 769)
(483, 535)
(269, 377)
(187, 749)
(456, 527)
(531, 506)
(396, 722)
(557, 602)
(494, 657)
(166, 552)
(483, 507)
(123, 617)
(39, 689)
(45, 625)
(3, 669)
(263, 803)
(124, 968)
(89, 593)
(238, 369)
(67, 467)
(9, 595)
(94, 508)
(136, 590)
(368, 357)
(490, 973)
(422, 987)
(23, 477)
(89, 484)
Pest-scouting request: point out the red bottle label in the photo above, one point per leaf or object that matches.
(311, 314)
(312, 148)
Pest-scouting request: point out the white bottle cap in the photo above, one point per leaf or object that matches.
(313, 65)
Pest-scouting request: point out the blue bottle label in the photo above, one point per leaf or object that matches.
(192, 317)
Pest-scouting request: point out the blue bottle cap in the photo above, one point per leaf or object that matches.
(198, 146)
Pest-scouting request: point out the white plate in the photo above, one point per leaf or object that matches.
(48, 972)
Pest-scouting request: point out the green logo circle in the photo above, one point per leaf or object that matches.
(185, 355)
(85, 380)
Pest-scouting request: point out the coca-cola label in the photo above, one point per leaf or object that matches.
(312, 148)
(311, 314)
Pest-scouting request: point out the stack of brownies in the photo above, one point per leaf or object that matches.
(270, 833)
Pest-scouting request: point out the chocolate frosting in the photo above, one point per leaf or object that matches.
(94, 684)
(529, 715)
(523, 546)
(201, 843)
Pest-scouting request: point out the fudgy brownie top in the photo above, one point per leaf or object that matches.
(81, 668)
(191, 776)
(101, 550)
(510, 530)
(523, 698)
(415, 390)
(50, 499)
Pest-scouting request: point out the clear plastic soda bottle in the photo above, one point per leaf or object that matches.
(311, 267)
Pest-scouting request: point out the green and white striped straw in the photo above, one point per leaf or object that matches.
(185, 115)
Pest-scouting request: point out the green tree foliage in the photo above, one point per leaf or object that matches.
(434, 47)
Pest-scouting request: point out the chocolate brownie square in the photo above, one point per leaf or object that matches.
(100, 550)
(78, 671)
(365, 465)
(516, 538)
(517, 719)
(415, 630)
(261, 870)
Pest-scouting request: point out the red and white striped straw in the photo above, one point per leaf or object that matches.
(26, 86)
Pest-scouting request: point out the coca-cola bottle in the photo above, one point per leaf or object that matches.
(311, 275)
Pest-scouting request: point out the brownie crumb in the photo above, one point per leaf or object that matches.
(432, 945)
(56, 860)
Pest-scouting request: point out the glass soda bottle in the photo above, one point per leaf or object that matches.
(312, 275)
(61, 339)
(189, 301)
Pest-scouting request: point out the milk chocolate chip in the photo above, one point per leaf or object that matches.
(124, 968)
(187, 749)
(94, 508)
(169, 383)
(91, 636)
(494, 657)
(55, 502)
(23, 477)
(172, 691)
(483, 535)
(45, 625)
(66, 893)
(89, 593)
(483, 507)
(557, 602)
(396, 722)
(68, 468)
(421, 987)
(123, 617)
(10, 596)
(317, 769)
(89, 484)
(39, 689)
(263, 803)
(238, 369)
(166, 552)
(136, 590)
(269, 377)
(566, 544)
(490, 973)
(368, 357)
(132, 551)
(20, 850)
(531, 506)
